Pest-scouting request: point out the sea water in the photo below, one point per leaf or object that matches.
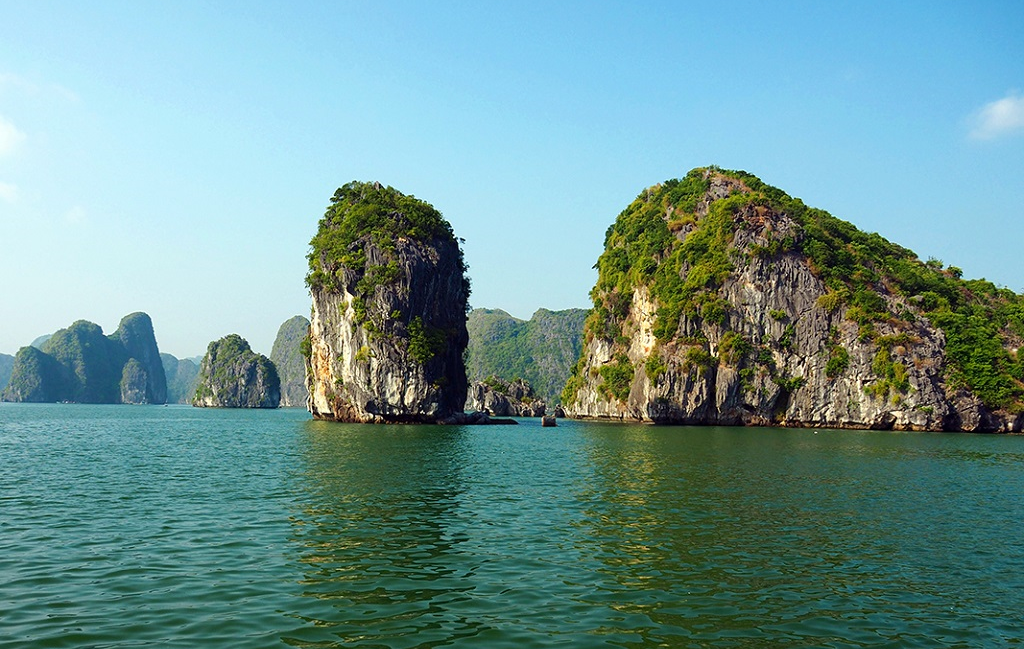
(137, 526)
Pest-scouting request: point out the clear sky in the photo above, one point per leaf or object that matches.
(174, 158)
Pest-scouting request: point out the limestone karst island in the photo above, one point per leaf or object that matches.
(719, 300)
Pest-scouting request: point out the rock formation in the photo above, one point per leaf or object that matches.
(290, 363)
(6, 367)
(388, 325)
(231, 375)
(36, 378)
(135, 333)
(182, 378)
(80, 364)
(541, 350)
(721, 300)
(502, 398)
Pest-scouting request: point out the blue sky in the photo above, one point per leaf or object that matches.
(175, 158)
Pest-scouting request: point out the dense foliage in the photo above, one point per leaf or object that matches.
(872, 279)
(541, 350)
(360, 212)
(182, 376)
(233, 375)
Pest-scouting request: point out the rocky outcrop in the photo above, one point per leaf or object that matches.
(36, 378)
(6, 367)
(388, 325)
(502, 398)
(182, 377)
(231, 375)
(289, 361)
(80, 364)
(541, 350)
(723, 301)
(135, 333)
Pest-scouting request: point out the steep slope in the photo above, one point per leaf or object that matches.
(388, 325)
(6, 367)
(147, 382)
(723, 300)
(289, 361)
(182, 378)
(36, 378)
(233, 376)
(541, 350)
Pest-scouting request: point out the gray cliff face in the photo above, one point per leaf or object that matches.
(134, 382)
(720, 392)
(231, 375)
(290, 363)
(135, 333)
(400, 360)
(777, 354)
(502, 398)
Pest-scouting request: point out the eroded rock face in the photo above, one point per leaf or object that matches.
(231, 375)
(503, 398)
(290, 363)
(388, 324)
(135, 333)
(766, 341)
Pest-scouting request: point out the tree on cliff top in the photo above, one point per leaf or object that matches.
(362, 211)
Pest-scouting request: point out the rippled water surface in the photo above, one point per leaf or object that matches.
(127, 526)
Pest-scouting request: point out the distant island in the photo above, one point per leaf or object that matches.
(541, 350)
(287, 357)
(231, 375)
(80, 364)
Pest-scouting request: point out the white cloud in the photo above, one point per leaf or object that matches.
(10, 137)
(999, 118)
(8, 192)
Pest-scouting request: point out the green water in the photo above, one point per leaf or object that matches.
(127, 526)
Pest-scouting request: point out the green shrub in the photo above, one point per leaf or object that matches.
(617, 378)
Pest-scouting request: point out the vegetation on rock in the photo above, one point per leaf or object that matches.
(231, 375)
(80, 364)
(362, 212)
(541, 350)
(388, 325)
(682, 241)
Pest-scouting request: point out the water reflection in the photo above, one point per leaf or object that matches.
(760, 537)
(642, 537)
(374, 535)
